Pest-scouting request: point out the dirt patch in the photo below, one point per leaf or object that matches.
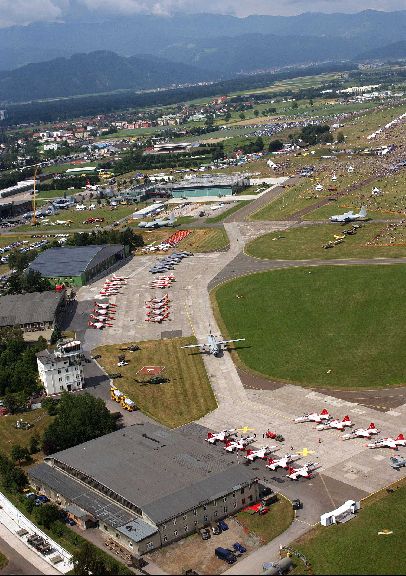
(254, 381)
(197, 554)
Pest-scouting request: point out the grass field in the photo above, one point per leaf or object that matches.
(338, 327)
(270, 525)
(9, 435)
(306, 243)
(357, 547)
(186, 397)
(3, 561)
(205, 240)
(226, 213)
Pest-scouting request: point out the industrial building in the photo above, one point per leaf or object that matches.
(78, 265)
(209, 185)
(147, 486)
(61, 369)
(33, 312)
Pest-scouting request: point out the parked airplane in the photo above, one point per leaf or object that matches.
(305, 471)
(388, 442)
(120, 277)
(158, 223)
(214, 345)
(101, 318)
(165, 299)
(223, 436)
(324, 415)
(98, 325)
(105, 305)
(349, 216)
(338, 424)
(361, 432)
(160, 318)
(260, 453)
(239, 444)
(104, 311)
(283, 462)
(397, 462)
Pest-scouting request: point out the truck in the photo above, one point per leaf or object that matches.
(226, 555)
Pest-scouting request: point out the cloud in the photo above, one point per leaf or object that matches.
(26, 11)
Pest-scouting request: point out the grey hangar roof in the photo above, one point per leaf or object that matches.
(72, 261)
(163, 472)
(30, 308)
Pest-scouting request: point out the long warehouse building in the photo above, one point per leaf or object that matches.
(147, 486)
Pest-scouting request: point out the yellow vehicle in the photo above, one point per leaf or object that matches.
(128, 404)
(116, 395)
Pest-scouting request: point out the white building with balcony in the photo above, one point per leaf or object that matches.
(62, 369)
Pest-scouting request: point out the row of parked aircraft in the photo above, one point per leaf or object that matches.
(163, 282)
(325, 422)
(103, 313)
(232, 444)
(157, 309)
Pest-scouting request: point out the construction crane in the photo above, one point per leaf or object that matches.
(34, 217)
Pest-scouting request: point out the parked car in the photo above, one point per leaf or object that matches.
(215, 528)
(43, 498)
(223, 525)
(204, 533)
(296, 504)
(239, 548)
(226, 555)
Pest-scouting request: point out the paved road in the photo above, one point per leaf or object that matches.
(17, 563)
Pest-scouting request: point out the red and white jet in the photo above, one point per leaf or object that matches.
(393, 443)
(283, 462)
(361, 432)
(239, 444)
(223, 436)
(101, 318)
(158, 319)
(98, 325)
(260, 453)
(337, 424)
(305, 471)
(105, 305)
(324, 415)
(165, 299)
(120, 277)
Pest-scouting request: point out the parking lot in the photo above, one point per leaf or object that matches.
(197, 554)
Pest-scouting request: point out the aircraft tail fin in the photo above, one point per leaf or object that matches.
(371, 426)
(210, 435)
(291, 470)
(346, 419)
(400, 437)
(324, 412)
(363, 211)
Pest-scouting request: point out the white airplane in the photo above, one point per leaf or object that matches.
(239, 444)
(165, 299)
(158, 223)
(158, 311)
(100, 318)
(260, 453)
(388, 442)
(160, 318)
(214, 345)
(349, 216)
(324, 415)
(64, 222)
(80, 207)
(98, 325)
(361, 432)
(115, 277)
(337, 424)
(104, 312)
(155, 307)
(283, 462)
(105, 305)
(223, 436)
(305, 471)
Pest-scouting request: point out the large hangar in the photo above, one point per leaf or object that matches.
(78, 265)
(147, 486)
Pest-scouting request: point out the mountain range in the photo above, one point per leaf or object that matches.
(189, 34)
(49, 60)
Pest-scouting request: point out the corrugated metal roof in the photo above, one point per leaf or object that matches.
(18, 309)
(72, 261)
(164, 472)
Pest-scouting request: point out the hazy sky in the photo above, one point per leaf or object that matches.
(26, 11)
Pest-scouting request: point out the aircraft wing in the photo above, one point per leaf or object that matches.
(226, 341)
(194, 346)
